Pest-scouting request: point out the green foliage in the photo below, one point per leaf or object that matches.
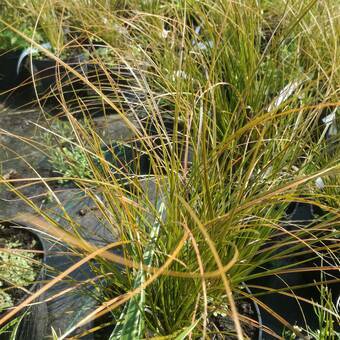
(5, 299)
(65, 157)
(17, 268)
(11, 328)
(253, 150)
(9, 40)
(15, 15)
(131, 322)
(71, 163)
(39, 20)
(54, 334)
(328, 317)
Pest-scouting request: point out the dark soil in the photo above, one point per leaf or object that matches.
(222, 327)
(26, 241)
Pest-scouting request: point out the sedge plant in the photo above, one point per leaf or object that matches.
(244, 143)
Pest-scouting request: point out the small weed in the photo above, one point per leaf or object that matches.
(16, 268)
(66, 159)
(5, 300)
(17, 265)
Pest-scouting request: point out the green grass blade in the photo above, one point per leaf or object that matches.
(187, 331)
(131, 323)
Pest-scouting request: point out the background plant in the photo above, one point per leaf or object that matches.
(65, 158)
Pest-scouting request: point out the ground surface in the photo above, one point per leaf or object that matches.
(23, 155)
(20, 157)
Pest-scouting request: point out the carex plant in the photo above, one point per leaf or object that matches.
(245, 86)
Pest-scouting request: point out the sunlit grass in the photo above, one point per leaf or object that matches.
(239, 151)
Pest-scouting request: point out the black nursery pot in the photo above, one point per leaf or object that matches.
(128, 158)
(299, 313)
(8, 70)
(49, 311)
(53, 81)
(12, 84)
(31, 326)
(119, 84)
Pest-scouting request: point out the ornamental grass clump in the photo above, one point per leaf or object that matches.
(246, 141)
